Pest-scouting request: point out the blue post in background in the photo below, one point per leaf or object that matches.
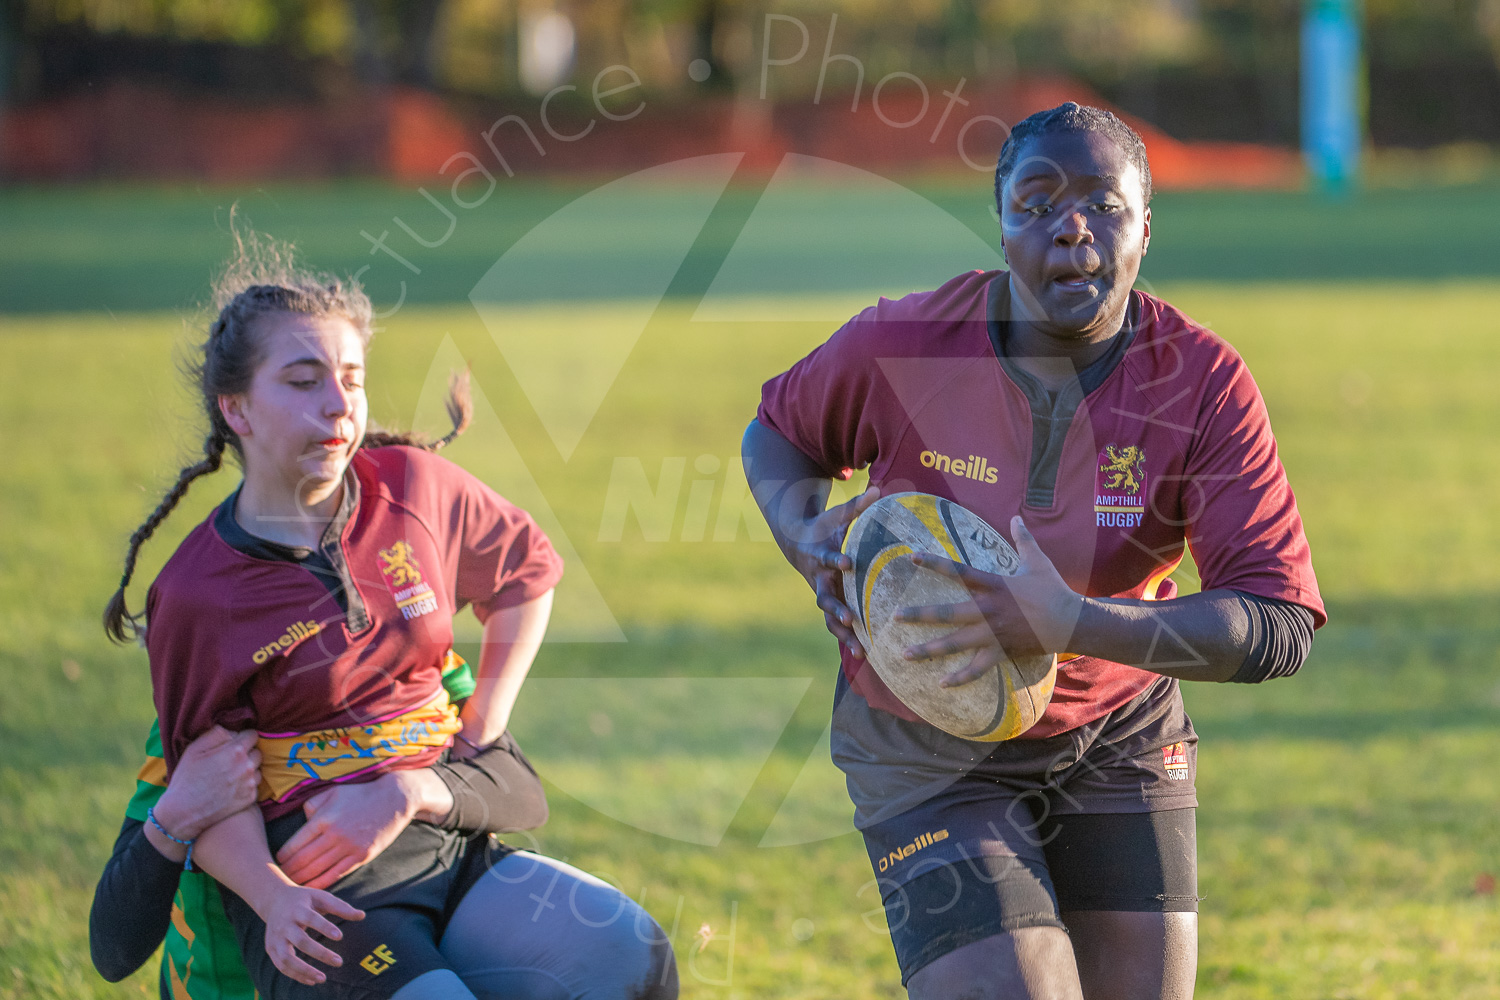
(1332, 91)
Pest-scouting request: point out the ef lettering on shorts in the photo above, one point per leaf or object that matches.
(378, 960)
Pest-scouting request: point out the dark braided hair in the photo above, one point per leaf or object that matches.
(1071, 117)
(119, 623)
(261, 279)
(460, 411)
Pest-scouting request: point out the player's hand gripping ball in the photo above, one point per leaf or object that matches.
(1005, 700)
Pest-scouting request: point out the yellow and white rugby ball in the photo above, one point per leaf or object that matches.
(1000, 704)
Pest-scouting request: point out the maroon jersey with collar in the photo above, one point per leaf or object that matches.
(243, 641)
(1163, 443)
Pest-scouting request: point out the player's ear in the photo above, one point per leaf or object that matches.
(1146, 230)
(233, 410)
(1000, 221)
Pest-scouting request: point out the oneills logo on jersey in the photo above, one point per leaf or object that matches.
(975, 467)
(902, 853)
(414, 596)
(1120, 487)
(293, 635)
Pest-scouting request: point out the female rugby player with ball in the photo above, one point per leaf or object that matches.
(315, 606)
(1110, 432)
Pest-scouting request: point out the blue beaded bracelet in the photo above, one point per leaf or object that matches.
(187, 863)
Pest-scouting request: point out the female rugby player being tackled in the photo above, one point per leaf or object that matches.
(1061, 863)
(145, 899)
(315, 606)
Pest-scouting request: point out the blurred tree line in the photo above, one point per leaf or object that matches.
(1205, 69)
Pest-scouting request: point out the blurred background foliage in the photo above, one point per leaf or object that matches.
(1199, 69)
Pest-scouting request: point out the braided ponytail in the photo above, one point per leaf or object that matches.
(119, 624)
(460, 409)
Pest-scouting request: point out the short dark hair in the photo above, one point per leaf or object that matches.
(1072, 117)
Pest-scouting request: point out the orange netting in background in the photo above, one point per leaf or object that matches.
(129, 130)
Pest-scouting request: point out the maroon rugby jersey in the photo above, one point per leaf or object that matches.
(1163, 441)
(258, 642)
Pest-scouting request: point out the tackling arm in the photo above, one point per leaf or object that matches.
(495, 791)
(132, 904)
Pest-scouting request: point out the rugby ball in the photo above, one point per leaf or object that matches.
(1000, 704)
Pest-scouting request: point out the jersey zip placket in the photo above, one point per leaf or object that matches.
(327, 563)
(1052, 412)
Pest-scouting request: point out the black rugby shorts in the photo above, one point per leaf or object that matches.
(1098, 818)
(408, 894)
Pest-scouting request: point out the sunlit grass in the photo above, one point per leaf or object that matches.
(1346, 813)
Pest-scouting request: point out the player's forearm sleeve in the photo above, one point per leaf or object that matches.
(1281, 635)
(132, 904)
(495, 791)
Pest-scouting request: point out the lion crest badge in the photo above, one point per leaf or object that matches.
(1120, 487)
(403, 577)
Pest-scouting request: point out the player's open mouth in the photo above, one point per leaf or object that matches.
(1074, 281)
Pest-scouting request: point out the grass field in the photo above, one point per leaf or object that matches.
(1347, 813)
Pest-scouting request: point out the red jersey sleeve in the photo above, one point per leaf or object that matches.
(820, 405)
(504, 559)
(193, 683)
(1241, 518)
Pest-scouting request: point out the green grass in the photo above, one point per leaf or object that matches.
(1346, 812)
(131, 247)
